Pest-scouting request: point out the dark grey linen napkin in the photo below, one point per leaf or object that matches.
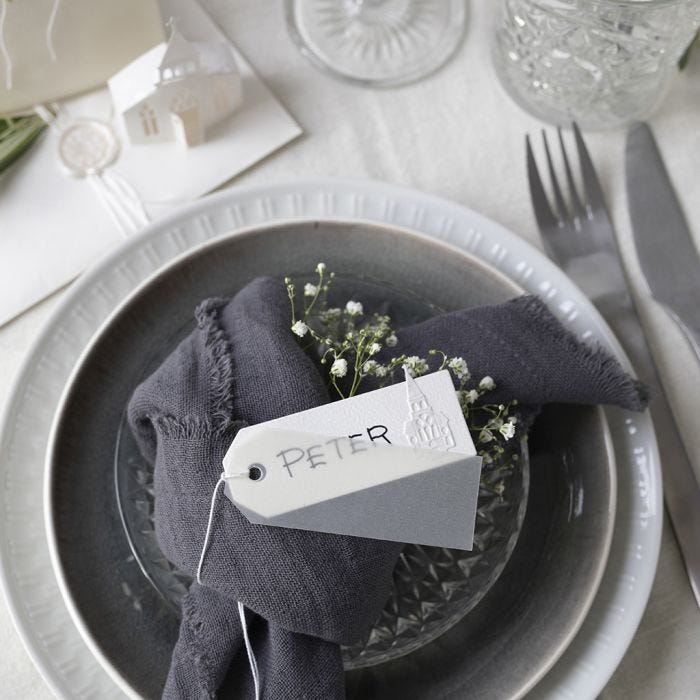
(306, 593)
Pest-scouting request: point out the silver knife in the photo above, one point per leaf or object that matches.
(652, 235)
(664, 245)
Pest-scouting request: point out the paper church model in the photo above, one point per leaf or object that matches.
(177, 91)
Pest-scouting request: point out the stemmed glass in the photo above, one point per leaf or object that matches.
(381, 43)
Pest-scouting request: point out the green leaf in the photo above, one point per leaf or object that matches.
(16, 136)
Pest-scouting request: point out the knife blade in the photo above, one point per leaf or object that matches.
(665, 248)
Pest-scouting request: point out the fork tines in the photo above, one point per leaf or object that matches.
(580, 211)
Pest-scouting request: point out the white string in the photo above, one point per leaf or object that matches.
(115, 212)
(3, 46)
(249, 648)
(127, 195)
(118, 196)
(224, 476)
(55, 115)
(221, 480)
(58, 118)
(3, 42)
(121, 201)
(45, 113)
(241, 609)
(49, 29)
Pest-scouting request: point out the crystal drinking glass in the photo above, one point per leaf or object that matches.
(602, 63)
(380, 43)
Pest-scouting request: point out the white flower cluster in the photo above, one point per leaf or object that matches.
(459, 367)
(339, 368)
(354, 347)
(373, 368)
(344, 338)
(471, 396)
(487, 384)
(508, 428)
(300, 328)
(415, 366)
(505, 427)
(354, 308)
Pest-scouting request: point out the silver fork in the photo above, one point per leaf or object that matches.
(580, 238)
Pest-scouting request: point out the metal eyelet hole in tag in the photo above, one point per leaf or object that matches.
(256, 472)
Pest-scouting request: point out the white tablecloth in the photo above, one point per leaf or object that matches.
(457, 134)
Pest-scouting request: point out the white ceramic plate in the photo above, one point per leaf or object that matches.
(29, 583)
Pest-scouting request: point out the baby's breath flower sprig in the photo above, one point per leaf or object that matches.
(300, 328)
(344, 334)
(314, 291)
(291, 294)
(348, 343)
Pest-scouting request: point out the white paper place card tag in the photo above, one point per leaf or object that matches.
(393, 464)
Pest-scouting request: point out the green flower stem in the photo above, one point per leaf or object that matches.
(359, 363)
(319, 287)
(16, 137)
(290, 296)
(334, 384)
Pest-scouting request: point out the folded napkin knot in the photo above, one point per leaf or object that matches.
(308, 592)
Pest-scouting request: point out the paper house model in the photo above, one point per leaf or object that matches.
(176, 91)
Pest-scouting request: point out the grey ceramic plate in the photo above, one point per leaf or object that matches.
(501, 647)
